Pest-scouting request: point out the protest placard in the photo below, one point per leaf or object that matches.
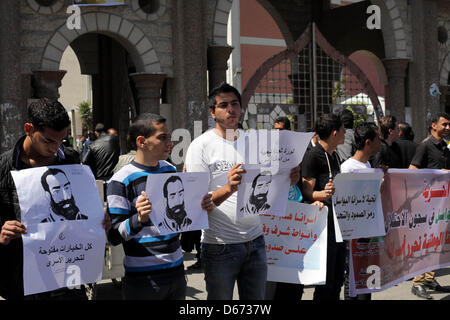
(357, 204)
(176, 201)
(296, 244)
(65, 241)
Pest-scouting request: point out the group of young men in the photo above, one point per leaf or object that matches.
(233, 250)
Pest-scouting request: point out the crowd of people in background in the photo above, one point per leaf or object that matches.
(231, 251)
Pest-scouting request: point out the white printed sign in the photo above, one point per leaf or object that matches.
(296, 244)
(176, 201)
(65, 241)
(357, 204)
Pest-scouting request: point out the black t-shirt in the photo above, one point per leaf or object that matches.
(432, 154)
(407, 150)
(315, 165)
(387, 156)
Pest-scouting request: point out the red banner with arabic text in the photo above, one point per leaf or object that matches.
(416, 214)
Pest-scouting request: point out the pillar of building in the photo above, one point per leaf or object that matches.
(217, 64)
(395, 102)
(12, 109)
(148, 87)
(189, 85)
(424, 69)
(46, 83)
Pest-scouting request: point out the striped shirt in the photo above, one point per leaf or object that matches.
(146, 252)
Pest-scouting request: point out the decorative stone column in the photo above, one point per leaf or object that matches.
(12, 108)
(148, 86)
(217, 64)
(46, 83)
(396, 72)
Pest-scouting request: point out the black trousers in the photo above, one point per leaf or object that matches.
(336, 265)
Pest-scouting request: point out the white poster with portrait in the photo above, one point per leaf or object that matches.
(176, 201)
(65, 241)
(262, 192)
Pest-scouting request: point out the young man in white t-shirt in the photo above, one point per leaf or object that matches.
(367, 144)
(232, 249)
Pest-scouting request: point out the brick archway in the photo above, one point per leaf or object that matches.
(125, 32)
(393, 28)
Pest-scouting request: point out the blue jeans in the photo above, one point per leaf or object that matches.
(224, 264)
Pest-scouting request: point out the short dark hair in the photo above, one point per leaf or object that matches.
(364, 131)
(285, 120)
(347, 118)
(47, 113)
(142, 125)
(407, 131)
(100, 127)
(53, 172)
(437, 116)
(326, 124)
(386, 123)
(170, 180)
(222, 88)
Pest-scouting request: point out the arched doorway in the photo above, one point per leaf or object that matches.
(124, 66)
(105, 66)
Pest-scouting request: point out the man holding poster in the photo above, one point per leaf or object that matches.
(233, 250)
(47, 125)
(319, 167)
(432, 153)
(153, 262)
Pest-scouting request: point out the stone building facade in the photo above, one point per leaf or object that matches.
(148, 55)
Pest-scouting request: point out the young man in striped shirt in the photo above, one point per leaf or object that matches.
(153, 264)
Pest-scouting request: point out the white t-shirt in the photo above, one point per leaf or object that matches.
(211, 153)
(351, 165)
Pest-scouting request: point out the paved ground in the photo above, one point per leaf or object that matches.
(196, 287)
(107, 290)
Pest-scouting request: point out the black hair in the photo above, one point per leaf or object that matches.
(326, 124)
(285, 120)
(53, 172)
(347, 118)
(407, 131)
(100, 127)
(47, 113)
(222, 88)
(439, 115)
(142, 125)
(364, 131)
(170, 180)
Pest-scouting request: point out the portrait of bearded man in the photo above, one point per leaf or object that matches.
(59, 192)
(176, 216)
(257, 201)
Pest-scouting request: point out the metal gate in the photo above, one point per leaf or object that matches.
(305, 81)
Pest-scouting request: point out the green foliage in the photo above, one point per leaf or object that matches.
(338, 90)
(85, 110)
(358, 117)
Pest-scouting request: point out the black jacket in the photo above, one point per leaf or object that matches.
(11, 255)
(102, 156)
